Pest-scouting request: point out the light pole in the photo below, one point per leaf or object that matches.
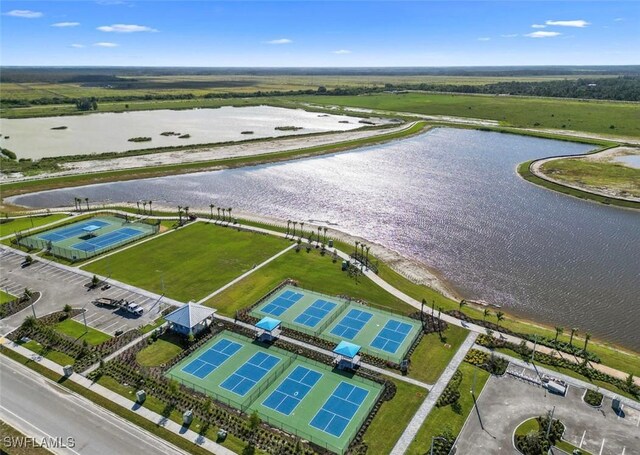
(550, 420)
(473, 394)
(433, 438)
(535, 344)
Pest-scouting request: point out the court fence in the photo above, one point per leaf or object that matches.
(33, 242)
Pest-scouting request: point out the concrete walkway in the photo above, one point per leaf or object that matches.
(157, 419)
(427, 405)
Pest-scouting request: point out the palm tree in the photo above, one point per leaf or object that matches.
(587, 337)
(462, 303)
(499, 316)
(211, 206)
(485, 314)
(559, 331)
(368, 247)
(301, 228)
(180, 213)
(150, 211)
(144, 206)
(138, 204)
(87, 201)
(288, 224)
(356, 255)
(229, 210)
(423, 303)
(295, 223)
(218, 213)
(186, 213)
(574, 330)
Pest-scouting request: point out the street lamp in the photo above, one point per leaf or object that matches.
(433, 438)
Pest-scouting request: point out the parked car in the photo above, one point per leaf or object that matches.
(105, 287)
(134, 308)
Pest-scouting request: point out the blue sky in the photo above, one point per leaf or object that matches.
(307, 33)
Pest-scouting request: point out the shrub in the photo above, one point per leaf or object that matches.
(593, 398)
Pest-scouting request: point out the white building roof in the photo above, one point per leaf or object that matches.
(190, 315)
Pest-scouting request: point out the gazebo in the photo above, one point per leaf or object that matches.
(190, 319)
(267, 329)
(347, 355)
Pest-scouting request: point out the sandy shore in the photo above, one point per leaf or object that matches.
(210, 153)
(608, 156)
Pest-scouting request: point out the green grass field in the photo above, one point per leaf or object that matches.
(312, 271)
(158, 353)
(193, 261)
(449, 418)
(432, 355)
(6, 297)
(80, 333)
(596, 174)
(55, 356)
(10, 226)
(589, 116)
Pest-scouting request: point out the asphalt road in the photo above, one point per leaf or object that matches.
(41, 408)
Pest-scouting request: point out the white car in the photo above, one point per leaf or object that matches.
(134, 308)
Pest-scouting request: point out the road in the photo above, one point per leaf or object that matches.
(41, 408)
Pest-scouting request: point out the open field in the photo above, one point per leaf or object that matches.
(161, 351)
(20, 224)
(311, 271)
(595, 174)
(81, 333)
(589, 116)
(55, 356)
(180, 264)
(432, 355)
(6, 297)
(450, 418)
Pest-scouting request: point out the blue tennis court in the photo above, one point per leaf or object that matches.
(103, 241)
(351, 324)
(212, 358)
(73, 231)
(292, 390)
(282, 303)
(391, 336)
(315, 312)
(249, 374)
(339, 409)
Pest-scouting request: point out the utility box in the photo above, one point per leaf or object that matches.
(616, 405)
(330, 243)
(187, 417)
(345, 265)
(68, 370)
(222, 435)
(141, 395)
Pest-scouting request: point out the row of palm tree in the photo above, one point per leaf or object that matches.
(226, 211)
(574, 331)
(144, 206)
(78, 202)
(360, 253)
(321, 236)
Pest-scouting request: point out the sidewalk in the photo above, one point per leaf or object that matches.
(427, 405)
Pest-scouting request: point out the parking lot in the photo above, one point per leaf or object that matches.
(61, 286)
(505, 402)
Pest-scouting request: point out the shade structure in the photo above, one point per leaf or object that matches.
(268, 324)
(347, 349)
(189, 318)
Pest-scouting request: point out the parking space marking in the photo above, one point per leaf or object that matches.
(582, 440)
(110, 325)
(624, 449)
(601, 447)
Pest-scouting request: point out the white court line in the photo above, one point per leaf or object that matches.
(582, 440)
(602, 447)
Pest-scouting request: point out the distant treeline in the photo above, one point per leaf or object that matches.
(626, 88)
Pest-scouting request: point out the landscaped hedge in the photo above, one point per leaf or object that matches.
(581, 368)
(491, 363)
(537, 443)
(593, 398)
(18, 304)
(451, 392)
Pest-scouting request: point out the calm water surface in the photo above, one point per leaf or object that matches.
(450, 198)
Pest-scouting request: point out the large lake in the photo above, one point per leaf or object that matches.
(452, 199)
(110, 132)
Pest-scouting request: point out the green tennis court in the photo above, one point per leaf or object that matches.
(88, 237)
(379, 333)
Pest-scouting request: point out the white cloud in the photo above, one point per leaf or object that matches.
(538, 26)
(24, 13)
(103, 44)
(65, 24)
(126, 28)
(510, 35)
(280, 41)
(543, 34)
(579, 23)
(618, 19)
(342, 52)
(78, 46)
(484, 38)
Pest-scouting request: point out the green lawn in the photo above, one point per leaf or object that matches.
(78, 331)
(55, 356)
(312, 271)
(8, 431)
(432, 355)
(589, 116)
(527, 427)
(393, 417)
(449, 417)
(595, 173)
(6, 297)
(20, 224)
(158, 353)
(193, 261)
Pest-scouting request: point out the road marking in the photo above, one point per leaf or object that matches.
(36, 428)
(602, 447)
(582, 440)
(624, 449)
(110, 325)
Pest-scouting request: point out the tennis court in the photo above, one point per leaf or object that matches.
(301, 309)
(339, 409)
(89, 237)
